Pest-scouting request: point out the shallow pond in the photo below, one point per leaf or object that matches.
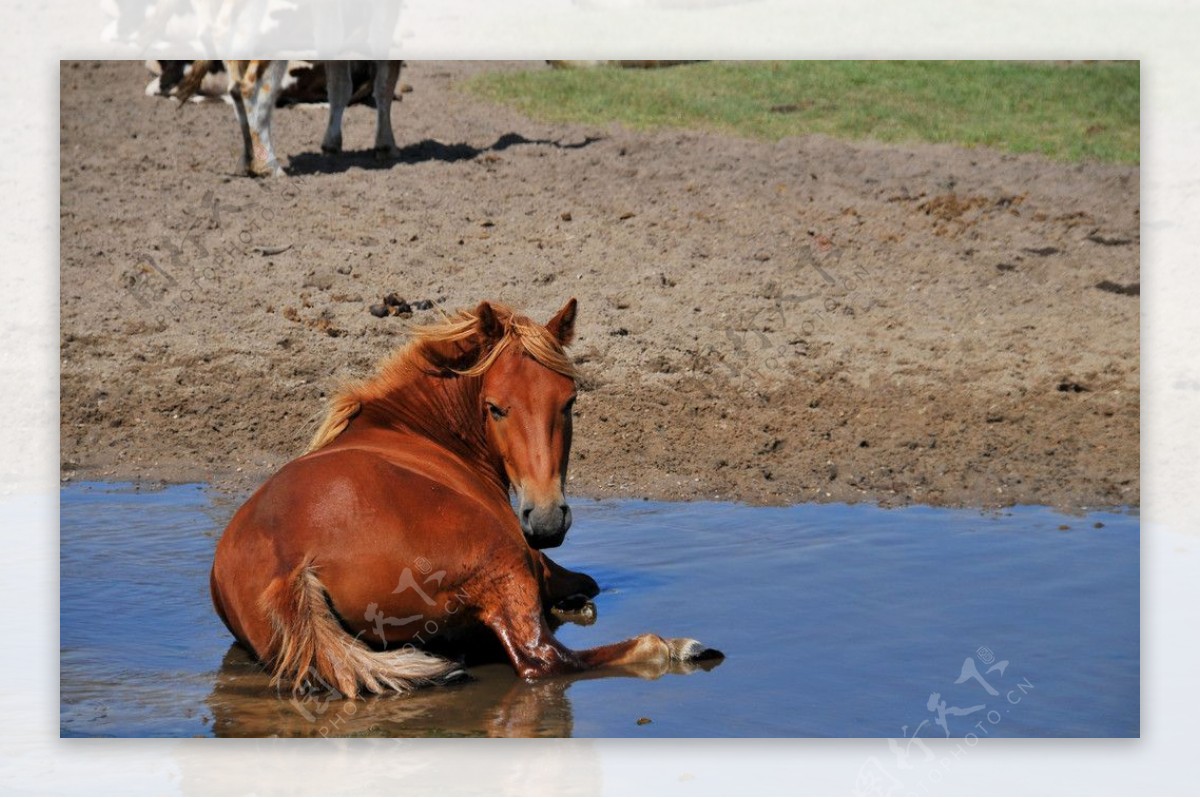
(837, 620)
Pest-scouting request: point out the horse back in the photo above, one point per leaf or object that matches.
(360, 496)
(362, 518)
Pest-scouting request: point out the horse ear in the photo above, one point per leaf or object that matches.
(562, 326)
(487, 324)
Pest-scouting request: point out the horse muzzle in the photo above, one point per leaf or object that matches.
(545, 526)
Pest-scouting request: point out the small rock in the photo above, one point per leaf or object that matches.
(422, 304)
(379, 310)
(322, 282)
(660, 364)
(643, 721)
(398, 305)
(565, 216)
(1132, 289)
(343, 269)
(1096, 238)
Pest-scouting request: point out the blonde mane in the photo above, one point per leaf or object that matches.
(419, 353)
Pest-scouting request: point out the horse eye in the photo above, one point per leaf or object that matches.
(496, 412)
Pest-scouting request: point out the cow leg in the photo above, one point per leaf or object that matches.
(260, 89)
(239, 109)
(386, 75)
(337, 81)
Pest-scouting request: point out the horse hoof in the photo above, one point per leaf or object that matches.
(689, 656)
(573, 603)
(684, 649)
(576, 609)
(387, 153)
(455, 677)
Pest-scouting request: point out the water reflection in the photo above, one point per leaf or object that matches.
(494, 703)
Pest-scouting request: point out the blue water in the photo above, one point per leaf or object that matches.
(837, 620)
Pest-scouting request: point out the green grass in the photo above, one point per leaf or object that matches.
(1069, 112)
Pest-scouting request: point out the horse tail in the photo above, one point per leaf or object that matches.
(192, 81)
(309, 641)
(342, 409)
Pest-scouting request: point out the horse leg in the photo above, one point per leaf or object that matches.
(563, 589)
(650, 656)
(337, 79)
(386, 75)
(518, 621)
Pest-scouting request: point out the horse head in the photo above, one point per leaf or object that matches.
(526, 407)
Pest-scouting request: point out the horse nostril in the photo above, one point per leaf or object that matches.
(526, 512)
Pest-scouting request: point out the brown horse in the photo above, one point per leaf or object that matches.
(396, 525)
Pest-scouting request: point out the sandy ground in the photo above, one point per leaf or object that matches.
(807, 320)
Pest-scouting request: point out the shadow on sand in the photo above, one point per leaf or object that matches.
(311, 163)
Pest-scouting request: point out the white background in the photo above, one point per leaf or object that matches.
(1163, 34)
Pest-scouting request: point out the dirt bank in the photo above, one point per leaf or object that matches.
(807, 320)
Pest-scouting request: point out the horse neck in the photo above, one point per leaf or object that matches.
(443, 409)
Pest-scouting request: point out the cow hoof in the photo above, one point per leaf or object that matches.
(265, 170)
(332, 144)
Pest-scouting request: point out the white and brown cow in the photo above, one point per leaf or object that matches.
(254, 88)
